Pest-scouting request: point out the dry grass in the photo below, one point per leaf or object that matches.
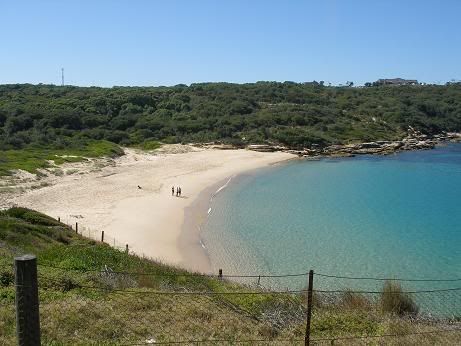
(395, 301)
(153, 302)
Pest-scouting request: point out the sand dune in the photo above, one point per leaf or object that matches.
(149, 219)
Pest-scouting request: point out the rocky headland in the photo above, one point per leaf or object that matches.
(413, 141)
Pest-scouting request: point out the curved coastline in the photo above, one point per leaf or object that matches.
(131, 200)
(190, 241)
(380, 219)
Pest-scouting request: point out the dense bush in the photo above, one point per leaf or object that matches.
(294, 114)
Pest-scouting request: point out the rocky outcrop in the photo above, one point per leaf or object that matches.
(266, 147)
(261, 147)
(413, 141)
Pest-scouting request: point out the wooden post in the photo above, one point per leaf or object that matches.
(309, 308)
(126, 249)
(259, 280)
(76, 227)
(102, 237)
(220, 274)
(27, 315)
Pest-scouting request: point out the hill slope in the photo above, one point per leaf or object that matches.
(297, 115)
(92, 293)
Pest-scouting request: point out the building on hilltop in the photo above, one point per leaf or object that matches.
(396, 81)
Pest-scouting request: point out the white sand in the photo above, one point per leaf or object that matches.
(149, 219)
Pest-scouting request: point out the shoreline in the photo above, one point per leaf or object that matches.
(190, 241)
(149, 219)
(413, 141)
(196, 215)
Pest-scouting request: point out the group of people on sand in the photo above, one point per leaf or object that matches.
(178, 191)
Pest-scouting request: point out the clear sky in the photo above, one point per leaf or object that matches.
(168, 42)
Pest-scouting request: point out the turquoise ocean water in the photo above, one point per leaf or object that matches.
(381, 216)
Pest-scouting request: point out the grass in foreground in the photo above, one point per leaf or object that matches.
(91, 293)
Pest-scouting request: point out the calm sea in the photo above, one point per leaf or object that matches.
(382, 216)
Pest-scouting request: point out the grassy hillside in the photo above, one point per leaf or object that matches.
(91, 293)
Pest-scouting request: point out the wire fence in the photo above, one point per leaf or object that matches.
(94, 234)
(101, 305)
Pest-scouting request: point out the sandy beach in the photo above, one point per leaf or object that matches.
(149, 219)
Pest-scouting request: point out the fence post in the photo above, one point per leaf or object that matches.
(309, 308)
(76, 227)
(220, 274)
(102, 237)
(27, 316)
(126, 249)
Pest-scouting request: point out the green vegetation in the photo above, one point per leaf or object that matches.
(293, 114)
(91, 293)
(42, 121)
(149, 145)
(33, 157)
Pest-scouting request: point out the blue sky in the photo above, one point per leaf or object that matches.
(138, 42)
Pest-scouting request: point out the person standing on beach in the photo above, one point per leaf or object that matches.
(172, 190)
(177, 191)
(180, 191)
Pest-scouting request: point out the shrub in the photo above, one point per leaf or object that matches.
(395, 301)
(150, 145)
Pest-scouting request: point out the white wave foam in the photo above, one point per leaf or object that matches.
(222, 187)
